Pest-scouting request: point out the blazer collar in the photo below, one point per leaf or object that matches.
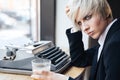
(115, 27)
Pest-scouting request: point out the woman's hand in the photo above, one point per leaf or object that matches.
(75, 28)
(67, 11)
(47, 75)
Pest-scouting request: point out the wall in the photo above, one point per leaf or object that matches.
(62, 23)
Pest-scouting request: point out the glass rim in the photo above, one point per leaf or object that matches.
(37, 60)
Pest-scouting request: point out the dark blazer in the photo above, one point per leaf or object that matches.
(108, 66)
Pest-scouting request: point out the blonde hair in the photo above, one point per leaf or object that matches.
(89, 6)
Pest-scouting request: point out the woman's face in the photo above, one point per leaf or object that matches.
(92, 24)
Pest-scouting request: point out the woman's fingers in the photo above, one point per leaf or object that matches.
(44, 75)
(67, 9)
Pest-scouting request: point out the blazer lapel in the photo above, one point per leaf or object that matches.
(115, 27)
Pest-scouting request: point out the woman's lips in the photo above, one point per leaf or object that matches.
(90, 33)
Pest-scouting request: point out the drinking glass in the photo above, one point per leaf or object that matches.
(40, 65)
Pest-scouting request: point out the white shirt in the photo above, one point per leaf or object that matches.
(101, 40)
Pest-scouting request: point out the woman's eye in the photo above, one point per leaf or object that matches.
(87, 17)
(79, 23)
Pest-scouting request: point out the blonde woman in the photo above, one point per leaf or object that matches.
(93, 17)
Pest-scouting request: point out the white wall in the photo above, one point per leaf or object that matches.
(62, 23)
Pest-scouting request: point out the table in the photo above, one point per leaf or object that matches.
(72, 71)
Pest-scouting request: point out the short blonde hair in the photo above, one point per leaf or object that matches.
(86, 6)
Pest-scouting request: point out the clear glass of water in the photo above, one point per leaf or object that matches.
(40, 64)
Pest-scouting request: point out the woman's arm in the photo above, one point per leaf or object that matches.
(79, 56)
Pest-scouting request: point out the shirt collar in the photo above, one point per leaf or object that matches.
(103, 35)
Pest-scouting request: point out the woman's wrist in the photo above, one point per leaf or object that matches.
(74, 29)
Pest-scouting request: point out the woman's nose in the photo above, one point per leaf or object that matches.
(85, 27)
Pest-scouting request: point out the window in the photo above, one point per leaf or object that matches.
(19, 19)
